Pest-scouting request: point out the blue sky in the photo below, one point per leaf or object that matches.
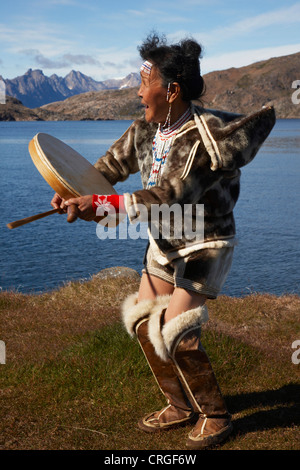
(100, 38)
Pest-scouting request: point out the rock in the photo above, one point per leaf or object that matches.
(118, 271)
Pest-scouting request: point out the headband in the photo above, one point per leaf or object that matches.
(146, 67)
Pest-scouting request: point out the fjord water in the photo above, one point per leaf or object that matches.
(47, 253)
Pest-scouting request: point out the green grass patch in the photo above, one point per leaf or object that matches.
(93, 393)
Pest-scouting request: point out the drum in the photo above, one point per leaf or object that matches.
(67, 172)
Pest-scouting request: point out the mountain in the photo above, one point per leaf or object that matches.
(96, 105)
(246, 89)
(35, 89)
(130, 81)
(241, 90)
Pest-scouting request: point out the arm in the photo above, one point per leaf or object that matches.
(184, 183)
(120, 160)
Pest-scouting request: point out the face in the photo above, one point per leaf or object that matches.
(154, 97)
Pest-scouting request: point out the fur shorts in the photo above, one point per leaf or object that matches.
(203, 271)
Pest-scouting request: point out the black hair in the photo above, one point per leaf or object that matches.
(176, 63)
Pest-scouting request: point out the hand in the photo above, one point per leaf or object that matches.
(58, 203)
(81, 207)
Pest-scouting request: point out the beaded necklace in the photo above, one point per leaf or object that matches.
(161, 147)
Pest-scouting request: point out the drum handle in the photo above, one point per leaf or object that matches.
(27, 220)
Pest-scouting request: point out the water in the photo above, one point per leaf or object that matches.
(44, 254)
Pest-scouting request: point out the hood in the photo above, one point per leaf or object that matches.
(232, 141)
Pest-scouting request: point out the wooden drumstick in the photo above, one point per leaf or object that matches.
(27, 220)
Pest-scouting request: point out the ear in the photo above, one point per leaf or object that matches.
(175, 91)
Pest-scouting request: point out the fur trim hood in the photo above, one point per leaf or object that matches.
(233, 144)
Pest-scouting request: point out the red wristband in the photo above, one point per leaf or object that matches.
(113, 203)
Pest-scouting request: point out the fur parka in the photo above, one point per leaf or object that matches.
(203, 167)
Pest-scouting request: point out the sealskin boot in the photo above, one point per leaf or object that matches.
(178, 412)
(179, 340)
(196, 373)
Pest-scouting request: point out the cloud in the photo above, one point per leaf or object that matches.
(52, 40)
(276, 17)
(113, 63)
(244, 27)
(159, 15)
(137, 13)
(80, 59)
(66, 60)
(245, 57)
(61, 2)
(58, 3)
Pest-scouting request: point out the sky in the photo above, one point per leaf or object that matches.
(100, 38)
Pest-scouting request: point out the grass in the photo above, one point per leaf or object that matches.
(74, 379)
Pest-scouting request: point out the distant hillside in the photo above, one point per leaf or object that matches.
(35, 89)
(241, 90)
(14, 110)
(248, 88)
(96, 105)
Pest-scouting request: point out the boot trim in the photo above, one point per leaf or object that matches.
(202, 441)
(134, 311)
(150, 423)
(187, 320)
(154, 332)
(163, 338)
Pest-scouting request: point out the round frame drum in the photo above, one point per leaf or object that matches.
(67, 172)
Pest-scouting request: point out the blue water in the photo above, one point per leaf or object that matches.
(44, 254)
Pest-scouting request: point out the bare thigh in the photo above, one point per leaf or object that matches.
(152, 286)
(181, 300)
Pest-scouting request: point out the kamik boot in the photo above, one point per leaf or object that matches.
(180, 341)
(178, 411)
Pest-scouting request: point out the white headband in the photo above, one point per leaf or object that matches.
(146, 67)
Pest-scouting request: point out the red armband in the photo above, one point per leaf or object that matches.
(108, 204)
